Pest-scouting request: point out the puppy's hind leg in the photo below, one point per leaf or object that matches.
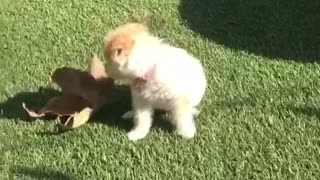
(183, 113)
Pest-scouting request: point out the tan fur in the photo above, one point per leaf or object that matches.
(120, 41)
(119, 44)
(130, 29)
(118, 48)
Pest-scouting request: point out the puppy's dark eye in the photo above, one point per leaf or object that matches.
(118, 51)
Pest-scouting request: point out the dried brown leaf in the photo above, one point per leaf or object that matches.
(30, 112)
(65, 105)
(83, 93)
(92, 86)
(76, 119)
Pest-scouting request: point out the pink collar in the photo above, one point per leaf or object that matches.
(139, 83)
(148, 74)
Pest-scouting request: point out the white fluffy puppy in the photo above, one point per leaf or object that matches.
(160, 76)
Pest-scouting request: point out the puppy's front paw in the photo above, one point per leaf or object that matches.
(195, 112)
(128, 115)
(135, 135)
(187, 131)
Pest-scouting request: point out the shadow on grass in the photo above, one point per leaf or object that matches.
(288, 29)
(39, 173)
(306, 110)
(12, 108)
(110, 114)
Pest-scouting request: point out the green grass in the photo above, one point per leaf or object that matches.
(260, 118)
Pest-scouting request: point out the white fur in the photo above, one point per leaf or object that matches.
(130, 114)
(177, 85)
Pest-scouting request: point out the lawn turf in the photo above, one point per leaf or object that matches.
(260, 118)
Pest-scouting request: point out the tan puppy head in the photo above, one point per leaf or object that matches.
(118, 48)
(119, 45)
